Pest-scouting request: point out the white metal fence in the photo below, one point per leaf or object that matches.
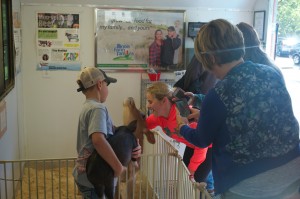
(162, 175)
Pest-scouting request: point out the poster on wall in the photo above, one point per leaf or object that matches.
(259, 24)
(139, 39)
(17, 37)
(58, 41)
(3, 118)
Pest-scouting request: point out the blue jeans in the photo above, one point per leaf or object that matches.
(87, 192)
(210, 181)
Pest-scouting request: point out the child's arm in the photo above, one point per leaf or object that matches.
(106, 152)
(195, 99)
(198, 99)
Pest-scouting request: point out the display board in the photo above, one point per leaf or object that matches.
(123, 37)
(58, 41)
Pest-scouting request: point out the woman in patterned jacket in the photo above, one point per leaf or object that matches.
(248, 117)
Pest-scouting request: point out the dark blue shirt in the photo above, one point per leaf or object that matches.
(249, 119)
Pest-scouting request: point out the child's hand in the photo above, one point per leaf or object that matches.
(120, 170)
(191, 97)
(195, 114)
(135, 164)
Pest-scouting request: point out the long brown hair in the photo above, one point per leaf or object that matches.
(253, 50)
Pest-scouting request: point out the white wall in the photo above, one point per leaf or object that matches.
(205, 15)
(11, 135)
(9, 142)
(51, 104)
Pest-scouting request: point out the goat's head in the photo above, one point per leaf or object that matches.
(131, 113)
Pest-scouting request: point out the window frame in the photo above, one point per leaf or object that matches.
(7, 51)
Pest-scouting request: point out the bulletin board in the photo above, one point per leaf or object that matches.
(58, 41)
(123, 37)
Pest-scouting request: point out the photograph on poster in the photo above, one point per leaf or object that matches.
(58, 20)
(139, 39)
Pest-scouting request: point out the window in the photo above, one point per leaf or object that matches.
(7, 68)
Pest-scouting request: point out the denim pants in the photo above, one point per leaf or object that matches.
(210, 181)
(87, 192)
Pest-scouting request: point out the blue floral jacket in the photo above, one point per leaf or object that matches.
(248, 117)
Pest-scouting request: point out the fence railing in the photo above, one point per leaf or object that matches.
(161, 175)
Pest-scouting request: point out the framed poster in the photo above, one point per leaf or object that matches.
(259, 23)
(139, 39)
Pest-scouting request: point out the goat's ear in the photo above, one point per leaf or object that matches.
(132, 125)
(150, 136)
